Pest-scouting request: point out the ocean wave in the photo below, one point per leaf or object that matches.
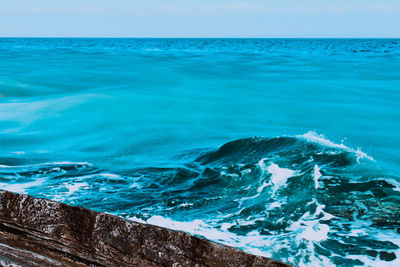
(320, 139)
(300, 199)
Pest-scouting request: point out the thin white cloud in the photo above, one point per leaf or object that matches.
(298, 9)
(175, 10)
(235, 8)
(390, 9)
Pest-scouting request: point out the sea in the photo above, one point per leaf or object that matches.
(285, 148)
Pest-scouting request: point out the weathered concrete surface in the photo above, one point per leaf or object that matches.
(40, 232)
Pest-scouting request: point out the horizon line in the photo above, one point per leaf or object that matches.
(164, 37)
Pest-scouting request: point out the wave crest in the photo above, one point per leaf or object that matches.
(299, 199)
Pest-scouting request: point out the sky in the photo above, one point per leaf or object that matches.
(200, 18)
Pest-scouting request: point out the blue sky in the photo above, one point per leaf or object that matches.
(201, 18)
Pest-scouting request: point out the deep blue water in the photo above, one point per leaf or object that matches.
(287, 148)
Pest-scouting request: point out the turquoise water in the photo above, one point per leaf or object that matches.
(283, 148)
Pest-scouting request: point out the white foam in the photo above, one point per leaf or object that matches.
(305, 232)
(279, 176)
(233, 175)
(110, 175)
(309, 227)
(356, 232)
(66, 163)
(18, 152)
(246, 171)
(247, 198)
(21, 187)
(261, 188)
(136, 219)
(263, 168)
(317, 175)
(274, 205)
(321, 140)
(315, 232)
(261, 164)
(47, 163)
(72, 188)
(135, 185)
(184, 205)
(252, 242)
(362, 155)
(395, 183)
(367, 261)
(198, 227)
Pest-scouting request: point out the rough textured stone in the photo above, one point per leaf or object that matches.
(40, 232)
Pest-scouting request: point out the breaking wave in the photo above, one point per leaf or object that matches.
(300, 199)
